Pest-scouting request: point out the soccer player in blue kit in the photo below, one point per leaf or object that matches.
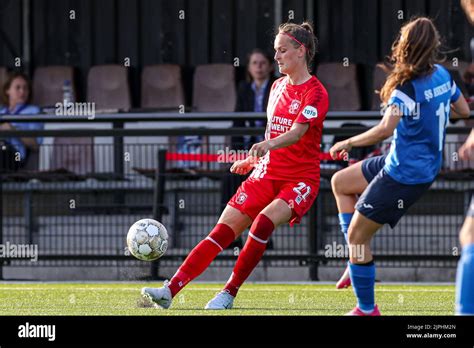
(418, 97)
(465, 273)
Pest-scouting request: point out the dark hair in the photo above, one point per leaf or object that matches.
(304, 33)
(414, 54)
(267, 56)
(12, 76)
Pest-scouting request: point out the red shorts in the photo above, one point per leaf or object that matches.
(255, 194)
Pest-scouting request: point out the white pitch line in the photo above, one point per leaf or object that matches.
(211, 282)
(218, 288)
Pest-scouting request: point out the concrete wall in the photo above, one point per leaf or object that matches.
(221, 274)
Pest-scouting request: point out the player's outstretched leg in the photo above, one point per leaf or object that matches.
(273, 215)
(361, 265)
(201, 256)
(344, 221)
(465, 273)
(248, 259)
(197, 261)
(346, 185)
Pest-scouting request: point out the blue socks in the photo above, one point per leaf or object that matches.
(344, 222)
(465, 282)
(363, 281)
(362, 276)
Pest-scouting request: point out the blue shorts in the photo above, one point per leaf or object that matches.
(386, 200)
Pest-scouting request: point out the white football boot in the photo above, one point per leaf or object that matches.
(223, 300)
(161, 296)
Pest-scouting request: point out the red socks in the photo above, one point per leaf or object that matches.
(201, 256)
(251, 254)
(219, 239)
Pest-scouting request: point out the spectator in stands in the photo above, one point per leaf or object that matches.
(16, 96)
(252, 96)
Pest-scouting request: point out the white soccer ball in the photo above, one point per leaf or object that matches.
(147, 239)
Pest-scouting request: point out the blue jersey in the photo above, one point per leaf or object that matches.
(416, 152)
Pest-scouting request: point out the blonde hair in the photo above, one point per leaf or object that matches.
(304, 33)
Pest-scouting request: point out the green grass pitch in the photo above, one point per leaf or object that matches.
(253, 299)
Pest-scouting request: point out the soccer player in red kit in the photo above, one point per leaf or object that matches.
(285, 178)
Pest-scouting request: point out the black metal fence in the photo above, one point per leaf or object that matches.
(78, 205)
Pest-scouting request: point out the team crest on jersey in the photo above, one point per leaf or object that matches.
(241, 198)
(294, 106)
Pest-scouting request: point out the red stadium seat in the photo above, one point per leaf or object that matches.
(214, 91)
(107, 86)
(342, 86)
(161, 87)
(48, 83)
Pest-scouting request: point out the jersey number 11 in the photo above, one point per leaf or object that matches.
(442, 113)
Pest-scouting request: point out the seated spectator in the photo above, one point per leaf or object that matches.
(252, 95)
(16, 95)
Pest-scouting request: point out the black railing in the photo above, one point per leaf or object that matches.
(78, 211)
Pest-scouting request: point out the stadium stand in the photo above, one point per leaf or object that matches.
(342, 86)
(73, 154)
(161, 86)
(48, 83)
(378, 80)
(3, 75)
(214, 88)
(108, 88)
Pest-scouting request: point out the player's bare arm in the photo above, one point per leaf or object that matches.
(466, 151)
(289, 138)
(373, 136)
(242, 167)
(459, 109)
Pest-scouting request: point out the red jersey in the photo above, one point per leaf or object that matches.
(287, 104)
